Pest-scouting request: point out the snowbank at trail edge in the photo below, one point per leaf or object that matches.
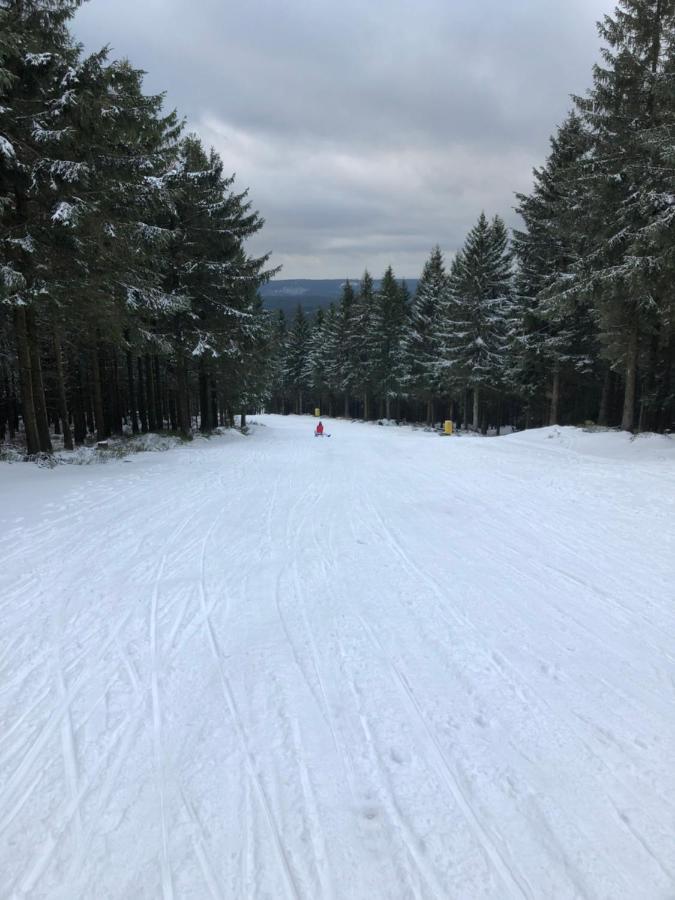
(609, 444)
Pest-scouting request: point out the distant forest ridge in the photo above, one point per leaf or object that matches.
(310, 293)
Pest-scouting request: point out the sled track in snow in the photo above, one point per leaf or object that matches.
(277, 666)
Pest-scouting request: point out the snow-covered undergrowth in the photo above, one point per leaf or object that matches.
(108, 451)
(380, 665)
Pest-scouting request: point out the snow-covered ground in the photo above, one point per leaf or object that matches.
(382, 664)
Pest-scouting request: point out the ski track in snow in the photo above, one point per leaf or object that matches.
(380, 666)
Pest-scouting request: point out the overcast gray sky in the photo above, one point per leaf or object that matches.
(366, 130)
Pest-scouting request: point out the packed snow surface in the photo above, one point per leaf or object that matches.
(381, 664)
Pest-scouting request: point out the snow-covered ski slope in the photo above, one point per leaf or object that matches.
(385, 665)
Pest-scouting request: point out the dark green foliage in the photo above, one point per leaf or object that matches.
(297, 354)
(128, 299)
(555, 339)
(627, 202)
(422, 341)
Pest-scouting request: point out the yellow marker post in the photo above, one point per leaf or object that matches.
(317, 412)
(447, 427)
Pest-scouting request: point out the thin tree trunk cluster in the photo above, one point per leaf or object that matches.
(88, 391)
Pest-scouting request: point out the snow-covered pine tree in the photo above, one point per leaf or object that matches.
(389, 323)
(278, 390)
(555, 335)
(38, 61)
(124, 141)
(209, 280)
(298, 345)
(629, 204)
(421, 344)
(341, 364)
(92, 140)
(91, 176)
(362, 346)
(330, 356)
(477, 318)
(315, 373)
(245, 372)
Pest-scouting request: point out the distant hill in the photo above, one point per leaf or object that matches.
(311, 293)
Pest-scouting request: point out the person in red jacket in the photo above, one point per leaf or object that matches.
(319, 429)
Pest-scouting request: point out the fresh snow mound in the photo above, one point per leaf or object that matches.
(606, 443)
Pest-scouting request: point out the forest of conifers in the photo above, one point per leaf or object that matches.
(128, 300)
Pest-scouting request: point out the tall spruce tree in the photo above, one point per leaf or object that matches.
(209, 281)
(298, 347)
(629, 205)
(38, 65)
(555, 335)
(330, 356)
(478, 315)
(315, 373)
(343, 345)
(278, 387)
(389, 324)
(421, 344)
(362, 347)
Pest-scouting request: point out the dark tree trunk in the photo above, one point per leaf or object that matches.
(131, 389)
(628, 416)
(648, 388)
(204, 405)
(214, 407)
(115, 398)
(91, 424)
(476, 408)
(26, 381)
(555, 396)
(666, 415)
(107, 388)
(182, 391)
(157, 384)
(142, 397)
(78, 410)
(603, 412)
(61, 386)
(99, 418)
(11, 404)
(39, 402)
(430, 411)
(150, 394)
(171, 410)
(347, 406)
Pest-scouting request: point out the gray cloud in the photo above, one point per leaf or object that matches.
(367, 132)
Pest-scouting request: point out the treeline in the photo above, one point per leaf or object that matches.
(571, 319)
(127, 299)
(381, 353)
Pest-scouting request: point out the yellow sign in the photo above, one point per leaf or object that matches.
(317, 412)
(447, 427)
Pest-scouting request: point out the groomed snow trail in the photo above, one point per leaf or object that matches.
(376, 665)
